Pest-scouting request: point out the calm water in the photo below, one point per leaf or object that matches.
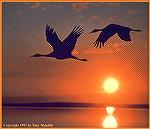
(92, 117)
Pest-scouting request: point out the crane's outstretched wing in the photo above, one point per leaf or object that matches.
(124, 35)
(103, 37)
(70, 41)
(52, 37)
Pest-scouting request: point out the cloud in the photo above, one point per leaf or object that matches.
(35, 5)
(112, 18)
(113, 5)
(75, 52)
(92, 19)
(79, 7)
(26, 3)
(44, 8)
(109, 19)
(19, 12)
(97, 4)
(117, 46)
(95, 17)
(80, 17)
(102, 51)
(57, 5)
(132, 12)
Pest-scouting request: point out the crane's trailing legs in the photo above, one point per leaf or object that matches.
(74, 57)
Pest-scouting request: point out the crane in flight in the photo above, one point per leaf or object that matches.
(62, 49)
(110, 30)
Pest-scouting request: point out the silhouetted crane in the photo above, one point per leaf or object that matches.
(62, 49)
(111, 29)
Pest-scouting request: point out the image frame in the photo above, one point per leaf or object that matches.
(65, 1)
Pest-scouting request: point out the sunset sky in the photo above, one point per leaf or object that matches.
(49, 80)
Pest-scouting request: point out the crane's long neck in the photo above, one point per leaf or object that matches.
(42, 55)
(99, 29)
(96, 30)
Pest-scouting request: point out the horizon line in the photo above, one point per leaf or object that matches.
(73, 104)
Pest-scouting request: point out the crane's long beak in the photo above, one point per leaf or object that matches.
(137, 30)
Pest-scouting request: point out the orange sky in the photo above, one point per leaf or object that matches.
(48, 79)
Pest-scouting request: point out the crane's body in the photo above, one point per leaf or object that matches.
(110, 30)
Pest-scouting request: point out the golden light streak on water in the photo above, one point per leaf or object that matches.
(110, 121)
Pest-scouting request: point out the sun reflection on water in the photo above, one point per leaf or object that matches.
(110, 121)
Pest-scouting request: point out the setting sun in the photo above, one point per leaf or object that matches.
(110, 85)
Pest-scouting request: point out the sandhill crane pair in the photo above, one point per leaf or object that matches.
(63, 49)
